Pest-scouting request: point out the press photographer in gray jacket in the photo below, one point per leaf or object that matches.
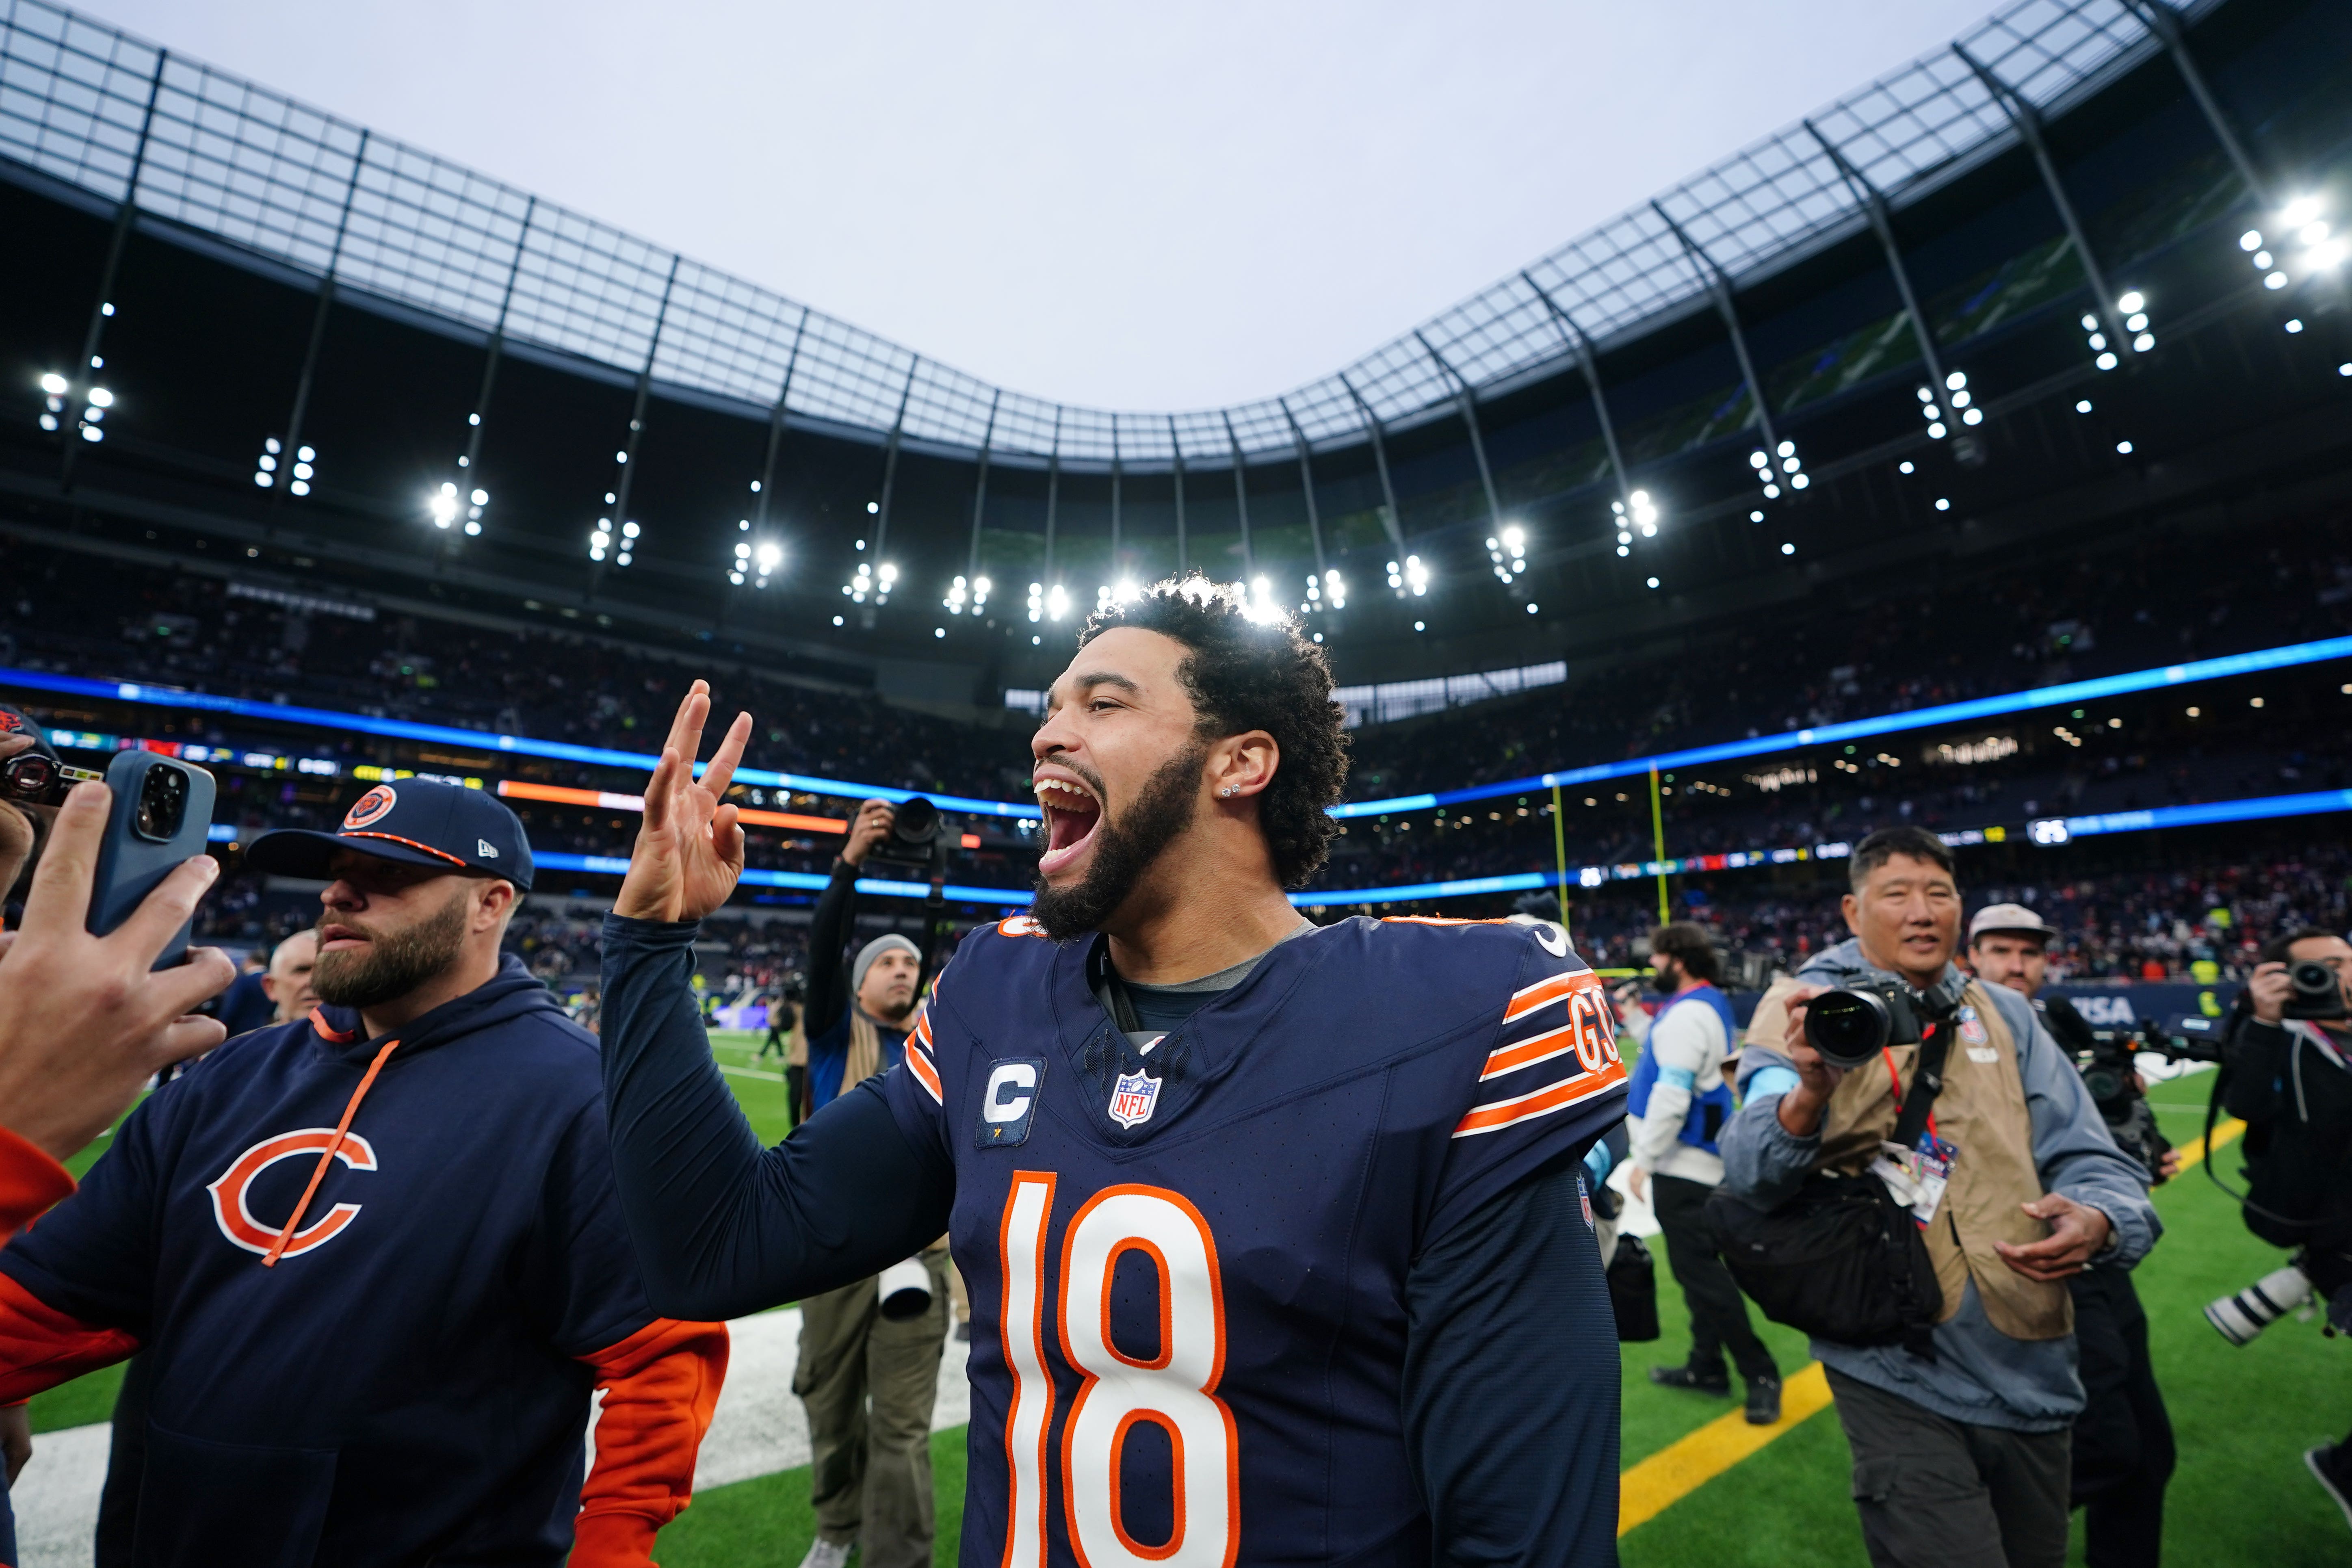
(1960, 1455)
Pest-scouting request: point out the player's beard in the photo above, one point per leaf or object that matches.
(1124, 849)
(391, 964)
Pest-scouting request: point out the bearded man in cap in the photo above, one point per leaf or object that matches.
(870, 1472)
(373, 1257)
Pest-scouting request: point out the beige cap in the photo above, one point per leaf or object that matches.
(2008, 917)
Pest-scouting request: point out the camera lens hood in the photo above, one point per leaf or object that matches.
(1847, 1028)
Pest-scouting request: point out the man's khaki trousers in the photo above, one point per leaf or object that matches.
(868, 1384)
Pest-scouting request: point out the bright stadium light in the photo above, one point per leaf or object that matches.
(444, 506)
(1057, 602)
(1509, 553)
(1416, 579)
(768, 557)
(742, 559)
(2103, 355)
(264, 467)
(1036, 601)
(1325, 591)
(958, 594)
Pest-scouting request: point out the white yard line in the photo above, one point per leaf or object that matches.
(758, 1429)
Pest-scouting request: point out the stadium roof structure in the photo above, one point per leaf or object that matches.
(123, 119)
(335, 364)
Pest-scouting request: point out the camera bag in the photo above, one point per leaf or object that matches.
(1634, 1291)
(1840, 1260)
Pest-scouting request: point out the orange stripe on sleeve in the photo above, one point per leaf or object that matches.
(1548, 990)
(1527, 1053)
(1560, 1096)
(925, 1073)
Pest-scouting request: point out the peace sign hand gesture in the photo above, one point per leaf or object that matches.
(690, 851)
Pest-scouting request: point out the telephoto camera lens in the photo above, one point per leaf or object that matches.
(2242, 1316)
(915, 821)
(1847, 1028)
(906, 1291)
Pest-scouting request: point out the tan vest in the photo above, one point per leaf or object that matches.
(1982, 1110)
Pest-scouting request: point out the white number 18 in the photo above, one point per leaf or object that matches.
(1176, 1391)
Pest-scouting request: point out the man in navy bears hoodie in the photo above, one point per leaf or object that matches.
(1275, 1234)
(374, 1257)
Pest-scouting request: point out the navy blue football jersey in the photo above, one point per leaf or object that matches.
(1188, 1256)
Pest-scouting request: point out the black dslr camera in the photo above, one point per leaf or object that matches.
(918, 838)
(2316, 993)
(2111, 1076)
(1850, 1025)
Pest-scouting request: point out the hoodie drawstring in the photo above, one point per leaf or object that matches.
(327, 1157)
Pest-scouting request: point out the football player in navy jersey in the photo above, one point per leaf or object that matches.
(1275, 1235)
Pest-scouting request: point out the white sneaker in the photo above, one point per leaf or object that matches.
(824, 1553)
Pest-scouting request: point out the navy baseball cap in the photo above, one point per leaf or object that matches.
(418, 822)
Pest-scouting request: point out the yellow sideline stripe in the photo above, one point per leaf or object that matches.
(1688, 1463)
(2224, 1131)
(1682, 1466)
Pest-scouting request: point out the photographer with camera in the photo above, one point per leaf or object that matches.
(2287, 1067)
(1916, 1171)
(870, 1472)
(2124, 1453)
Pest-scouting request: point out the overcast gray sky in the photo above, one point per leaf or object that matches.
(1130, 206)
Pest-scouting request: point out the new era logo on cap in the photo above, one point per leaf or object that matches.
(418, 822)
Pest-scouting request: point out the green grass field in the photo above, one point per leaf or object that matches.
(2243, 1418)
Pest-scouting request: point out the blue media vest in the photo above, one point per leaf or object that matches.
(1708, 1111)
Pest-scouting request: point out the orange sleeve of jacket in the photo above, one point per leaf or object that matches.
(30, 1183)
(41, 1347)
(660, 1386)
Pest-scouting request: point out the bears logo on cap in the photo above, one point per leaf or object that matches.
(371, 808)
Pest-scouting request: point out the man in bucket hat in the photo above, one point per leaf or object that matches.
(373, 1255)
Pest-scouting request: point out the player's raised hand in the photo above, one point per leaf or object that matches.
(86, 1020)
(690, 851)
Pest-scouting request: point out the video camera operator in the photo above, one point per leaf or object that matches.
(2123, 1452)
(1914, 1172)
(2288, 1067)
(870, 1473)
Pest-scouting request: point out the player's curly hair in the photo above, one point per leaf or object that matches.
(1254, 671)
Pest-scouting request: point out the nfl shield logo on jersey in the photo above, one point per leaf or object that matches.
(1133, 1098)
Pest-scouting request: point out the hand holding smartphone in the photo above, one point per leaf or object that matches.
(161, 814)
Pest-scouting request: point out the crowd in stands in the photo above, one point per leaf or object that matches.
(154, 625)
(1893, 653)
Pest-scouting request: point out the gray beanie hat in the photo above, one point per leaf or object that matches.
(876, 949)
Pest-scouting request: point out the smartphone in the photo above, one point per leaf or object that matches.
(161, 814)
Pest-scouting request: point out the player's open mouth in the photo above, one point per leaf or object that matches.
(1072, 814)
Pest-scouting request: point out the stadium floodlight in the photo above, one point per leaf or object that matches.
(2134, 309)
(264, 467)
(2103, 355)
(980, 592)
(1779, 467)
(54, 384)
(444, 506)
(958, 594)
(1036, 601)
(860, 587)
(1416, 580)
(1335, 589)
(1057, 602)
